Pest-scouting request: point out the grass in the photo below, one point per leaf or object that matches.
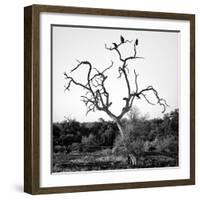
(106, 160)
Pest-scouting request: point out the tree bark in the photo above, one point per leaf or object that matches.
(132, 158)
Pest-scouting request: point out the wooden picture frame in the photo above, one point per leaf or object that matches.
(32, 106)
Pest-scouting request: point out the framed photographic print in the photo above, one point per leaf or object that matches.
(109, 99)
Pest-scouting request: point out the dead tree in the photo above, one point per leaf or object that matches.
(97, 98)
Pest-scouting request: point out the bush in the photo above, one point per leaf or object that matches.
(168, 144)
(75, 147)
(58, 149)
(118, 147)
(89, 144)
(137, 146)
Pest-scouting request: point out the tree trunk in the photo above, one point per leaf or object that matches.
(132, 158)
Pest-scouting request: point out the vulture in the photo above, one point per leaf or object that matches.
(136, 42)
(122, 39)
(115, 45)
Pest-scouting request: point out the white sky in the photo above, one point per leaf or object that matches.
(159, 68)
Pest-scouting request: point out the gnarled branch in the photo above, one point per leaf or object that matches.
(97, 97)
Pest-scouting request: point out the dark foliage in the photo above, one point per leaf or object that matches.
(97, 134)
(154, 141)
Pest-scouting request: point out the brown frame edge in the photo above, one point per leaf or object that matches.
(31, 99)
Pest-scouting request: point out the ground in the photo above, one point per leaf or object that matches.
(106, 160)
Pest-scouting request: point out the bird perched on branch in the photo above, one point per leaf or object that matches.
(115, 45)
(122, 39)
(136, 42)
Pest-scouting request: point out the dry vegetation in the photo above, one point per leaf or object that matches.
(98, 146)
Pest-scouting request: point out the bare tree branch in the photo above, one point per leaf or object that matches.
(97, 97)
(162, 102)
(148, 101)
(71, 80)
(116, 48)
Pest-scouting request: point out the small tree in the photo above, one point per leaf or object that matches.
(97, 97)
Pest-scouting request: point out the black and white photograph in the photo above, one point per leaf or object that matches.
(114, 98)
